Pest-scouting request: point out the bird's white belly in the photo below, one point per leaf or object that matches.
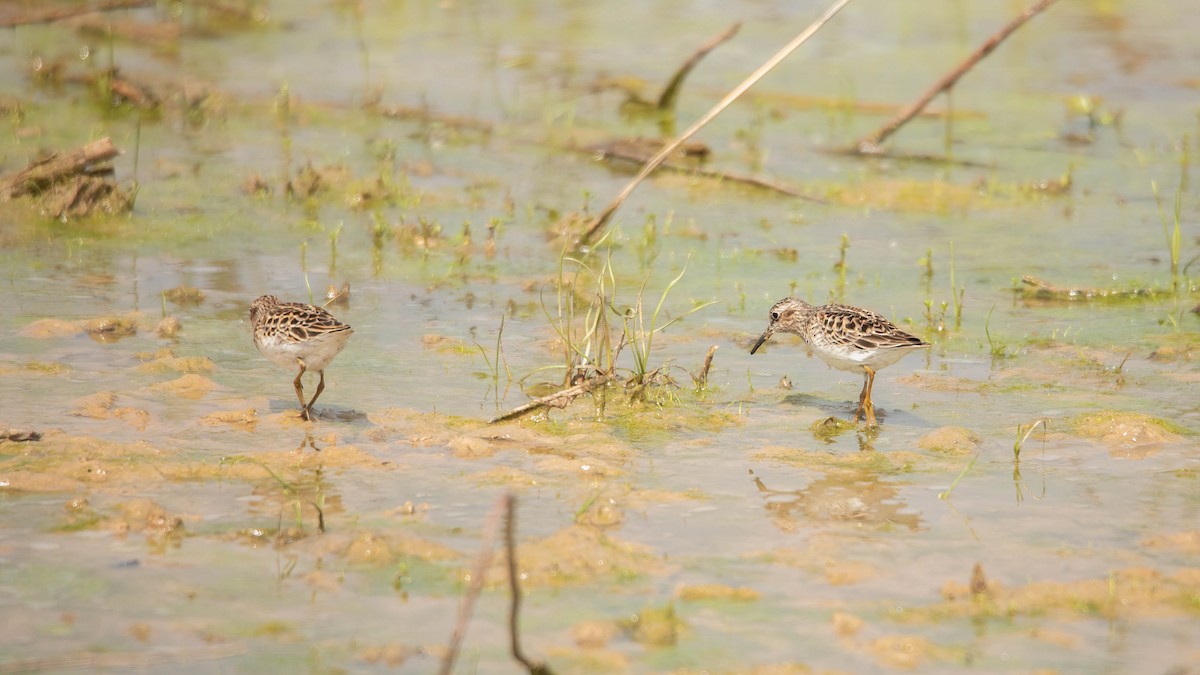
(316, 352)
(856, 359)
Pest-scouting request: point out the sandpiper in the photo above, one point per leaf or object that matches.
(846, 338)
(293, 334)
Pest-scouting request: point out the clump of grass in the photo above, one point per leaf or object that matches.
(592, 345)
(580, 318)
(640, 338)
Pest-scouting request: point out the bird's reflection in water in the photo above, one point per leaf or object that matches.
(308, 442)
(842, 496)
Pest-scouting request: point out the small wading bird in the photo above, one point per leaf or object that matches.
(846, 338)
(296, 335)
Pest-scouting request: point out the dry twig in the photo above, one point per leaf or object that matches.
(559, 399)
(870, 143)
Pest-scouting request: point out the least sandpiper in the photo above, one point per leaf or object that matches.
(846, 338)
(296, 335)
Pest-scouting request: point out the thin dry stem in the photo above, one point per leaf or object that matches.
(558, 399)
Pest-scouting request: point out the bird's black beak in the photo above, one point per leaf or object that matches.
(763, 338)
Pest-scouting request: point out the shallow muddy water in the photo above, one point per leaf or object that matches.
(175, 512)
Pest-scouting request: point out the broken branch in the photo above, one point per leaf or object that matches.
(870, 144)
(667, 100)
(559, 399)
(40, 174)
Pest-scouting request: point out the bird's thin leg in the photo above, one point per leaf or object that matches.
(868, 405)
(300, 389)
(320, 388)
(862, 395)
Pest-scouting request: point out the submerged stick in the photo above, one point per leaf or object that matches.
(559, 399)
(40, 174)
(467, 608)
(624, 150)
(599, 222)
(667, 100)
(870, 143)
(1044, 290)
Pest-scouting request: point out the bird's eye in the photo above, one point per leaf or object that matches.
(774, 316)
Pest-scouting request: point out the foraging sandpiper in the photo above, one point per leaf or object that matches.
(846, 338)
(293, 334)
